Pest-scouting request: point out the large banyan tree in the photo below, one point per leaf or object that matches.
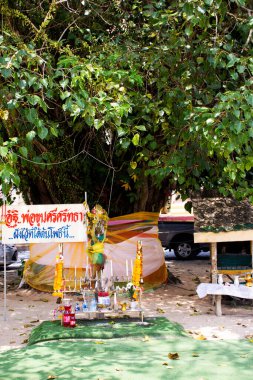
(125, 100)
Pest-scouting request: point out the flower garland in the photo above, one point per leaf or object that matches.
(58, 278)
(137, 269)
(97, 221)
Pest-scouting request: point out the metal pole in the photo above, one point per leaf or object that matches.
(5, 285)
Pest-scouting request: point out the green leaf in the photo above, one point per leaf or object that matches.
(15, 179)
(30, 135)
(232, 60)
(64, 83)
(133, 165)
(237, 113)
(6, 73)
(3, 151)
(240, 68)
(141, 127)
(98, 123)
(136, 139)
(42, 132)
(54, 131)
(33, 99)
(22, 83)
(64, 95)
(43, 105)
(31, 115)
(210, 121)
(125, 143)
(23, 151)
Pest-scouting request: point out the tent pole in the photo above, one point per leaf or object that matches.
(5, 281)
(5, 285)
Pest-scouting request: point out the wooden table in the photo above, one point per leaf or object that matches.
(217, 290)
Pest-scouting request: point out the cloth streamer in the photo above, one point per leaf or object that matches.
(120, 246)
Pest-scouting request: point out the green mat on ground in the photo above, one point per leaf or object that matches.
(105, 329)
(129, 359)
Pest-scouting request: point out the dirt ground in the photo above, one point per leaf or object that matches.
(26, 308)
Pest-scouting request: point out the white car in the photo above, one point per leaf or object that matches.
(11, 254)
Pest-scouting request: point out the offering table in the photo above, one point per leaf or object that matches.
(218, 290)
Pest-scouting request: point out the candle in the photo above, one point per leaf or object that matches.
(111, 269)
(127, 268)
(75, 277)
(101, 279)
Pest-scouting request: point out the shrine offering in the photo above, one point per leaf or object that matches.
(58, 278)
(72, 322)
(66, 315)
(104, 299)
(97, 221)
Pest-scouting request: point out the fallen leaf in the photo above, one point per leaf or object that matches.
(27, 325)
(37, 320)
(25, 341)
(200, 337)
(43, 299)
(145, 339)
(167, 365)
(11, 309)
(179, 304)
(77, 369)
(161, 311)
(12, 341)
(173, 356)
(99, 342)
(195, 355)
(118, 369)
(52, 377)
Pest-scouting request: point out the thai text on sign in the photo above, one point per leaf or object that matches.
(44, 224)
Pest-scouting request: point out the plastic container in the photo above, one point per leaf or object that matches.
(84, 306)
(93, 305)
(66, 316)
(77, 307)
(72, 322)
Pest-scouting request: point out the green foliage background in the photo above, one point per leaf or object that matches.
(132, 99)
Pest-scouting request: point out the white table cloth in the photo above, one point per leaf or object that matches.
(240, 291)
